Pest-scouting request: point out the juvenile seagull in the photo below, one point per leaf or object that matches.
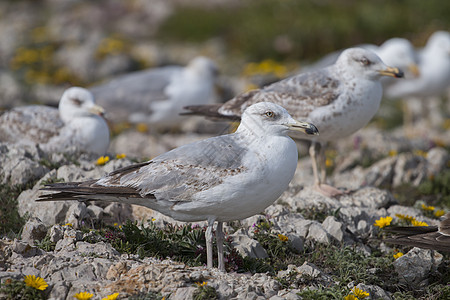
(339, 100)
(157, 96)
(77, 124)
(224, 178)
(428, 237)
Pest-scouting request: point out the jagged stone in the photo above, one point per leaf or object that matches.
(34, 229)
(247, 246)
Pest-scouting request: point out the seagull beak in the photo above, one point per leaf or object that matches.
(414, 69)
(304, 127)
(97, 110)
(389, 71)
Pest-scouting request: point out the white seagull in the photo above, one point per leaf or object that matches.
(339, 100)
(157, 96)
(77, 125)
(221, 179)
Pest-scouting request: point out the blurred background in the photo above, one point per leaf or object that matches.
(49, 45)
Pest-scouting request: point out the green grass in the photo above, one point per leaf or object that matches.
(312, 28)
(11, 222)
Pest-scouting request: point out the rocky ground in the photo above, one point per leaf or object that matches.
(310, 222)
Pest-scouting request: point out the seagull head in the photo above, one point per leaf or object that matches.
(203, 67)
(267, 118)
(78, 102)
(366, 64)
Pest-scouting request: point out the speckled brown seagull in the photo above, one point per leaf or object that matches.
(428, 237)
(224, 178)
(339, 100)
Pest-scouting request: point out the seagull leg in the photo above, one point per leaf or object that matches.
(219, 240)
(209, 244)
(324, 189)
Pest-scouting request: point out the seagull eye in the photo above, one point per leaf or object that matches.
(76, 101)
(269, 114)
(365, 62)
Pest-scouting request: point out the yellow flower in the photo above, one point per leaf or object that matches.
(439, 213)
(426, 207)
(111, 297)
(201, 283)
(350, 297)
(398, 254)
(121, 155)
(360, 294)
(68, 224)
(393, 153)
(83, 296)
(404, 217)
(418, 223)
(283, 238)
(329, 163)
(115, 224)
(102, 160)
(420, 153)
(142, 127)
(36, 282)
(383, 222)
(153, 219)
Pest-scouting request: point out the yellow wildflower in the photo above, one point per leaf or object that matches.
(359, 293)
(121, 155)
(350, 297)
(398, 254)
(36, 282)
(329, 163)
(404, 217)
(439, 213)
(201, 283)
(283, 238)
(426, 207)
(420, 153)
(418, 223)
(153, 219)
(383, 222)
(68, 225)
(393, 152)
(111, 297)
(115, 224)
(102, 160)
(142, 127)
(83, 296)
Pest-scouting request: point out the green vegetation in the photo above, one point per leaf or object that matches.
(17, 289)
(11, 222)
(305, 29)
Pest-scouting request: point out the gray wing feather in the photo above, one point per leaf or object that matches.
(299, 94)
(184, 171)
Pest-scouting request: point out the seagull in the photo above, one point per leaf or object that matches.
(224, 178)
(339, 100)
(157, 96)
(434, 70)
(78, 124)
(428, 237)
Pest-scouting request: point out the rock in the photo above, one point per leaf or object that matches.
(334, 228)
(437, 160)
(99, 249)
(309, 269)
(19, 164)
(24, 249)
(414, 267)
(247, 246)
(56, 233)
(318, 233)
(76, 214)
(33, 230)
(116, 270)
(184, 293)
(375, 292)
(410, 169)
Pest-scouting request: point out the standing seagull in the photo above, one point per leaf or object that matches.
(77, 124)
(428, 237)
(157, 96)
(221, 179)
(339, 100)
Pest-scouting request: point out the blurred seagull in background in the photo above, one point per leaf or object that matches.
(77, 125)
(157, 96)
(339, 100)
(224, 178)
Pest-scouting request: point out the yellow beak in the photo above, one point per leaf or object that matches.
(304, 127)
(389, 71)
